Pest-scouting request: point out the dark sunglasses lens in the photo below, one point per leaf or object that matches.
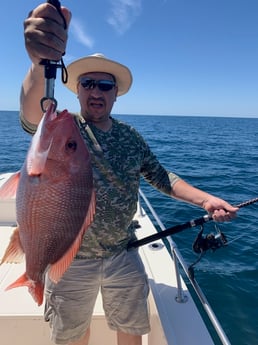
(87, 83)
(105, 85)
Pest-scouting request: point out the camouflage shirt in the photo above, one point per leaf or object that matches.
(124, 157)
(117, 168)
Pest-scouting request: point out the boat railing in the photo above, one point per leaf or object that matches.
(179, 261)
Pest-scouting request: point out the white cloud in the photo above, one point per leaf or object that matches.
(80, 35)
(123, 14)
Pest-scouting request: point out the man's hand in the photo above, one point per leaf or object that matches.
(221, 210)
(45, 34)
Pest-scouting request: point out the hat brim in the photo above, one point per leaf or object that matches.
(96, 63)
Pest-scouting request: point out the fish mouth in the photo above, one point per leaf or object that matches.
(37, 161)
(41, 143)
(51, 114)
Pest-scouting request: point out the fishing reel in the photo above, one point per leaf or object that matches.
(204, 243)
(211, 241)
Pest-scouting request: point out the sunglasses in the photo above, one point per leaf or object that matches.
(103, 85)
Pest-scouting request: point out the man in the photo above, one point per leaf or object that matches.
(119, 157)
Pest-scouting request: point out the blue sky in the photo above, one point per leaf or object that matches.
(188, 57)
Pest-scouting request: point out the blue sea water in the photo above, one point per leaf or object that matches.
(219, 155)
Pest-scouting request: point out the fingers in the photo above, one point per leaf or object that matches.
(222, 215)
(230, 208)
(67, 14)
(44, 33)
(220, 210)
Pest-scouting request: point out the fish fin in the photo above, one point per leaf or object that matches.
(59, 267)
(14, 252)
(8, 189)
(36, 289)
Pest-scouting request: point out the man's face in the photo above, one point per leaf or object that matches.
(96, 104)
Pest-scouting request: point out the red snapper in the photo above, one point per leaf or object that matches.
(55, 202)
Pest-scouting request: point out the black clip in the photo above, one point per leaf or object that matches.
(51, 67)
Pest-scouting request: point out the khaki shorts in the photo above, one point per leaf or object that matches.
(124, 287)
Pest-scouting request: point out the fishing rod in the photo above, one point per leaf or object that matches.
(51, 66)
(212, 242)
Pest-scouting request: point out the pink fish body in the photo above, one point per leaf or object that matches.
(55, 202)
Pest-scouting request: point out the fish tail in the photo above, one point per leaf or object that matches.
(36, 289)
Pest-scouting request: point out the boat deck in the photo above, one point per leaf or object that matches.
(21, 320)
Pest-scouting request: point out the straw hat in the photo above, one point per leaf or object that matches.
(99, 63)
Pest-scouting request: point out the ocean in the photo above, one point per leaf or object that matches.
(220, 156)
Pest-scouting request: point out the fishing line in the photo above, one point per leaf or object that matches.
(235, 239)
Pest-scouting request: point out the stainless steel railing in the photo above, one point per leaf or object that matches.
(179, 261)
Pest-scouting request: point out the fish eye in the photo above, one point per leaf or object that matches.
(71, 145)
